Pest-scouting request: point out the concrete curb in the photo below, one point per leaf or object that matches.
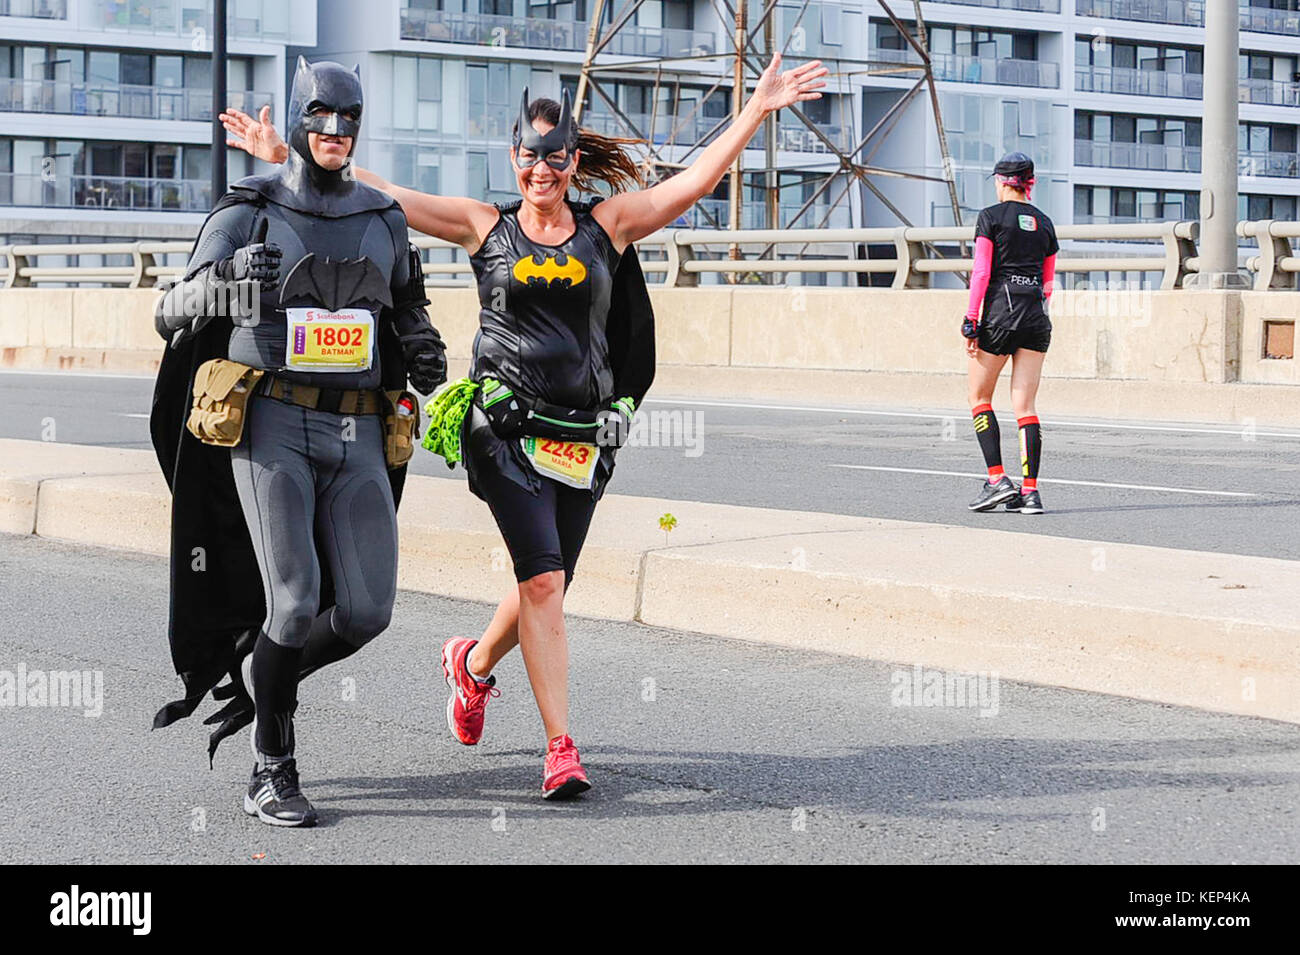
(1216, 631)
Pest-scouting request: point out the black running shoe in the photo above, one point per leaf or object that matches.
(274, 797)
(1030, 503)
(995, 494)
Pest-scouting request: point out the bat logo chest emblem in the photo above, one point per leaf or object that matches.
(551, 270)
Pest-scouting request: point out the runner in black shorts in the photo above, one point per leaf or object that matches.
(1011, 284)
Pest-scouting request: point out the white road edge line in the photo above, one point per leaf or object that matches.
(1130, 487)
(1098, 425)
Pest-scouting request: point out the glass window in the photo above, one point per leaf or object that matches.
(69, 65)
(1082, 124)
(197, 162)
(169, 71)
(198, 72)
(477, 174)
(430, 78)
(136, 69)
(476, 100)
(135, 160)
(404, 100)
(105, 159)
(1124, 129)
(166, 161)
(1123, 55)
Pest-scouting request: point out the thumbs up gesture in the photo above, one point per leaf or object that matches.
(259, 261)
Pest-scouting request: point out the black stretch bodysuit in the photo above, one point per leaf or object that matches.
(543, 330)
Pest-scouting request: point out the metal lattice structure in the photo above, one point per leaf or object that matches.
(750, 46)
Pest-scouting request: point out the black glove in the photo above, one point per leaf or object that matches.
(259, 261)
(615, 423)
(969, 329)
(426, 359)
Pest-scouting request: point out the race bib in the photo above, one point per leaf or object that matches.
(563, 461)
(321, 340)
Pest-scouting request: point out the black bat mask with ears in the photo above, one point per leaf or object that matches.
(326, 98)
(563, 138)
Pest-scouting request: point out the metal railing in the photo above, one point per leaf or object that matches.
(38, 9)
(252, 19)
(959, 68)
(682, 256)
(119, 100)
(105, 192)
(1135, 82)
(1031, 6)
(1189, 13)
(1158, 156)
(1271, 92)
(538, 33)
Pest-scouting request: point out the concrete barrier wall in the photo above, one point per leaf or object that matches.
(1217, 631)
(1173, 342)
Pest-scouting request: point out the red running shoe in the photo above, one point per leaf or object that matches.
(563, 777)
(468, 696)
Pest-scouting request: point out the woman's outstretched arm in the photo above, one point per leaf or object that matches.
(634, 215)
(451, 218)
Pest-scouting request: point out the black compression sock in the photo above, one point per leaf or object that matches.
(1031, 450)
(275, 695)
(990, 439)
(323, 646)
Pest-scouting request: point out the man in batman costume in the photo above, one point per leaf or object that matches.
(284, 547)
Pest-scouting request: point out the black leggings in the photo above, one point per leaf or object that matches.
(543, 532)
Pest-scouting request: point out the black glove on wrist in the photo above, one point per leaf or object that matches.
(426, 359)
(259, 261)
(969, 329)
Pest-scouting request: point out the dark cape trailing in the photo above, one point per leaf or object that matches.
(217, 604)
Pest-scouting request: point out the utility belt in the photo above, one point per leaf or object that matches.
(514, 414)
(222, 389)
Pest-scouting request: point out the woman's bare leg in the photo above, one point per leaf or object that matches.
(546, 649)
(500, 637)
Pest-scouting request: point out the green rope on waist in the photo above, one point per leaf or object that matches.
(446, 411)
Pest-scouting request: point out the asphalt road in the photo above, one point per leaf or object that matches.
(701, 750)
(1190, 486)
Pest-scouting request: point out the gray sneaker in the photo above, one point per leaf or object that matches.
(994, 494)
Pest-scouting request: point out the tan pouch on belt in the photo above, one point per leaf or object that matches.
(400, 429)
(221, 392)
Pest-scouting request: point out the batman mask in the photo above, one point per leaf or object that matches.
(326, 99)
(546, 146)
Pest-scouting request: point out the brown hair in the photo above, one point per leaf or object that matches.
(603, 158)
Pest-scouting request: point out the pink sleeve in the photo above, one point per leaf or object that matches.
(979, 276)
(1049, 276)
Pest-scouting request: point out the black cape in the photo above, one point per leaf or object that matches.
(217, 604)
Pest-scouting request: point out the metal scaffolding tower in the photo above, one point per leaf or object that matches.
(751, 43)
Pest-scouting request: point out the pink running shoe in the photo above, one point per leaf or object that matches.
(563, 776)
(468, 696)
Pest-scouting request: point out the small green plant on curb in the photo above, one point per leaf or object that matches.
(666, 524)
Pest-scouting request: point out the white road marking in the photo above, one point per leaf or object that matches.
(131, 414)
(1130, 487)
(1101, 425)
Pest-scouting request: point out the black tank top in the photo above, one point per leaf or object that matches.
(542, 320)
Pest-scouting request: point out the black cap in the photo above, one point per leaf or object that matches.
(1014, 164)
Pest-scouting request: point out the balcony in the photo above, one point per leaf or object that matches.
(1030, 6)
(1135, 82)
(1267, 163)
(542, 34)
(1008, 72)
(1189, 13)
(972, 69)
(105, 192)
(37, 9)
(1154, 156)
(132, 102)
(1269, 92)
(247, 19)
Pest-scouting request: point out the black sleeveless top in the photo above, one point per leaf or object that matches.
(543, 314)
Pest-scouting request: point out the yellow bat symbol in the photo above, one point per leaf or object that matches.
(550, 270)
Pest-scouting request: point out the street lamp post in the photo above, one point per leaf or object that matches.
(218, 98)
(1218, 240)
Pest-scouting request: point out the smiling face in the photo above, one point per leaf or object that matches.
(541, 184)
(330, 152)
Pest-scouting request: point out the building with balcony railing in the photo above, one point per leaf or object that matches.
(106, 109)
